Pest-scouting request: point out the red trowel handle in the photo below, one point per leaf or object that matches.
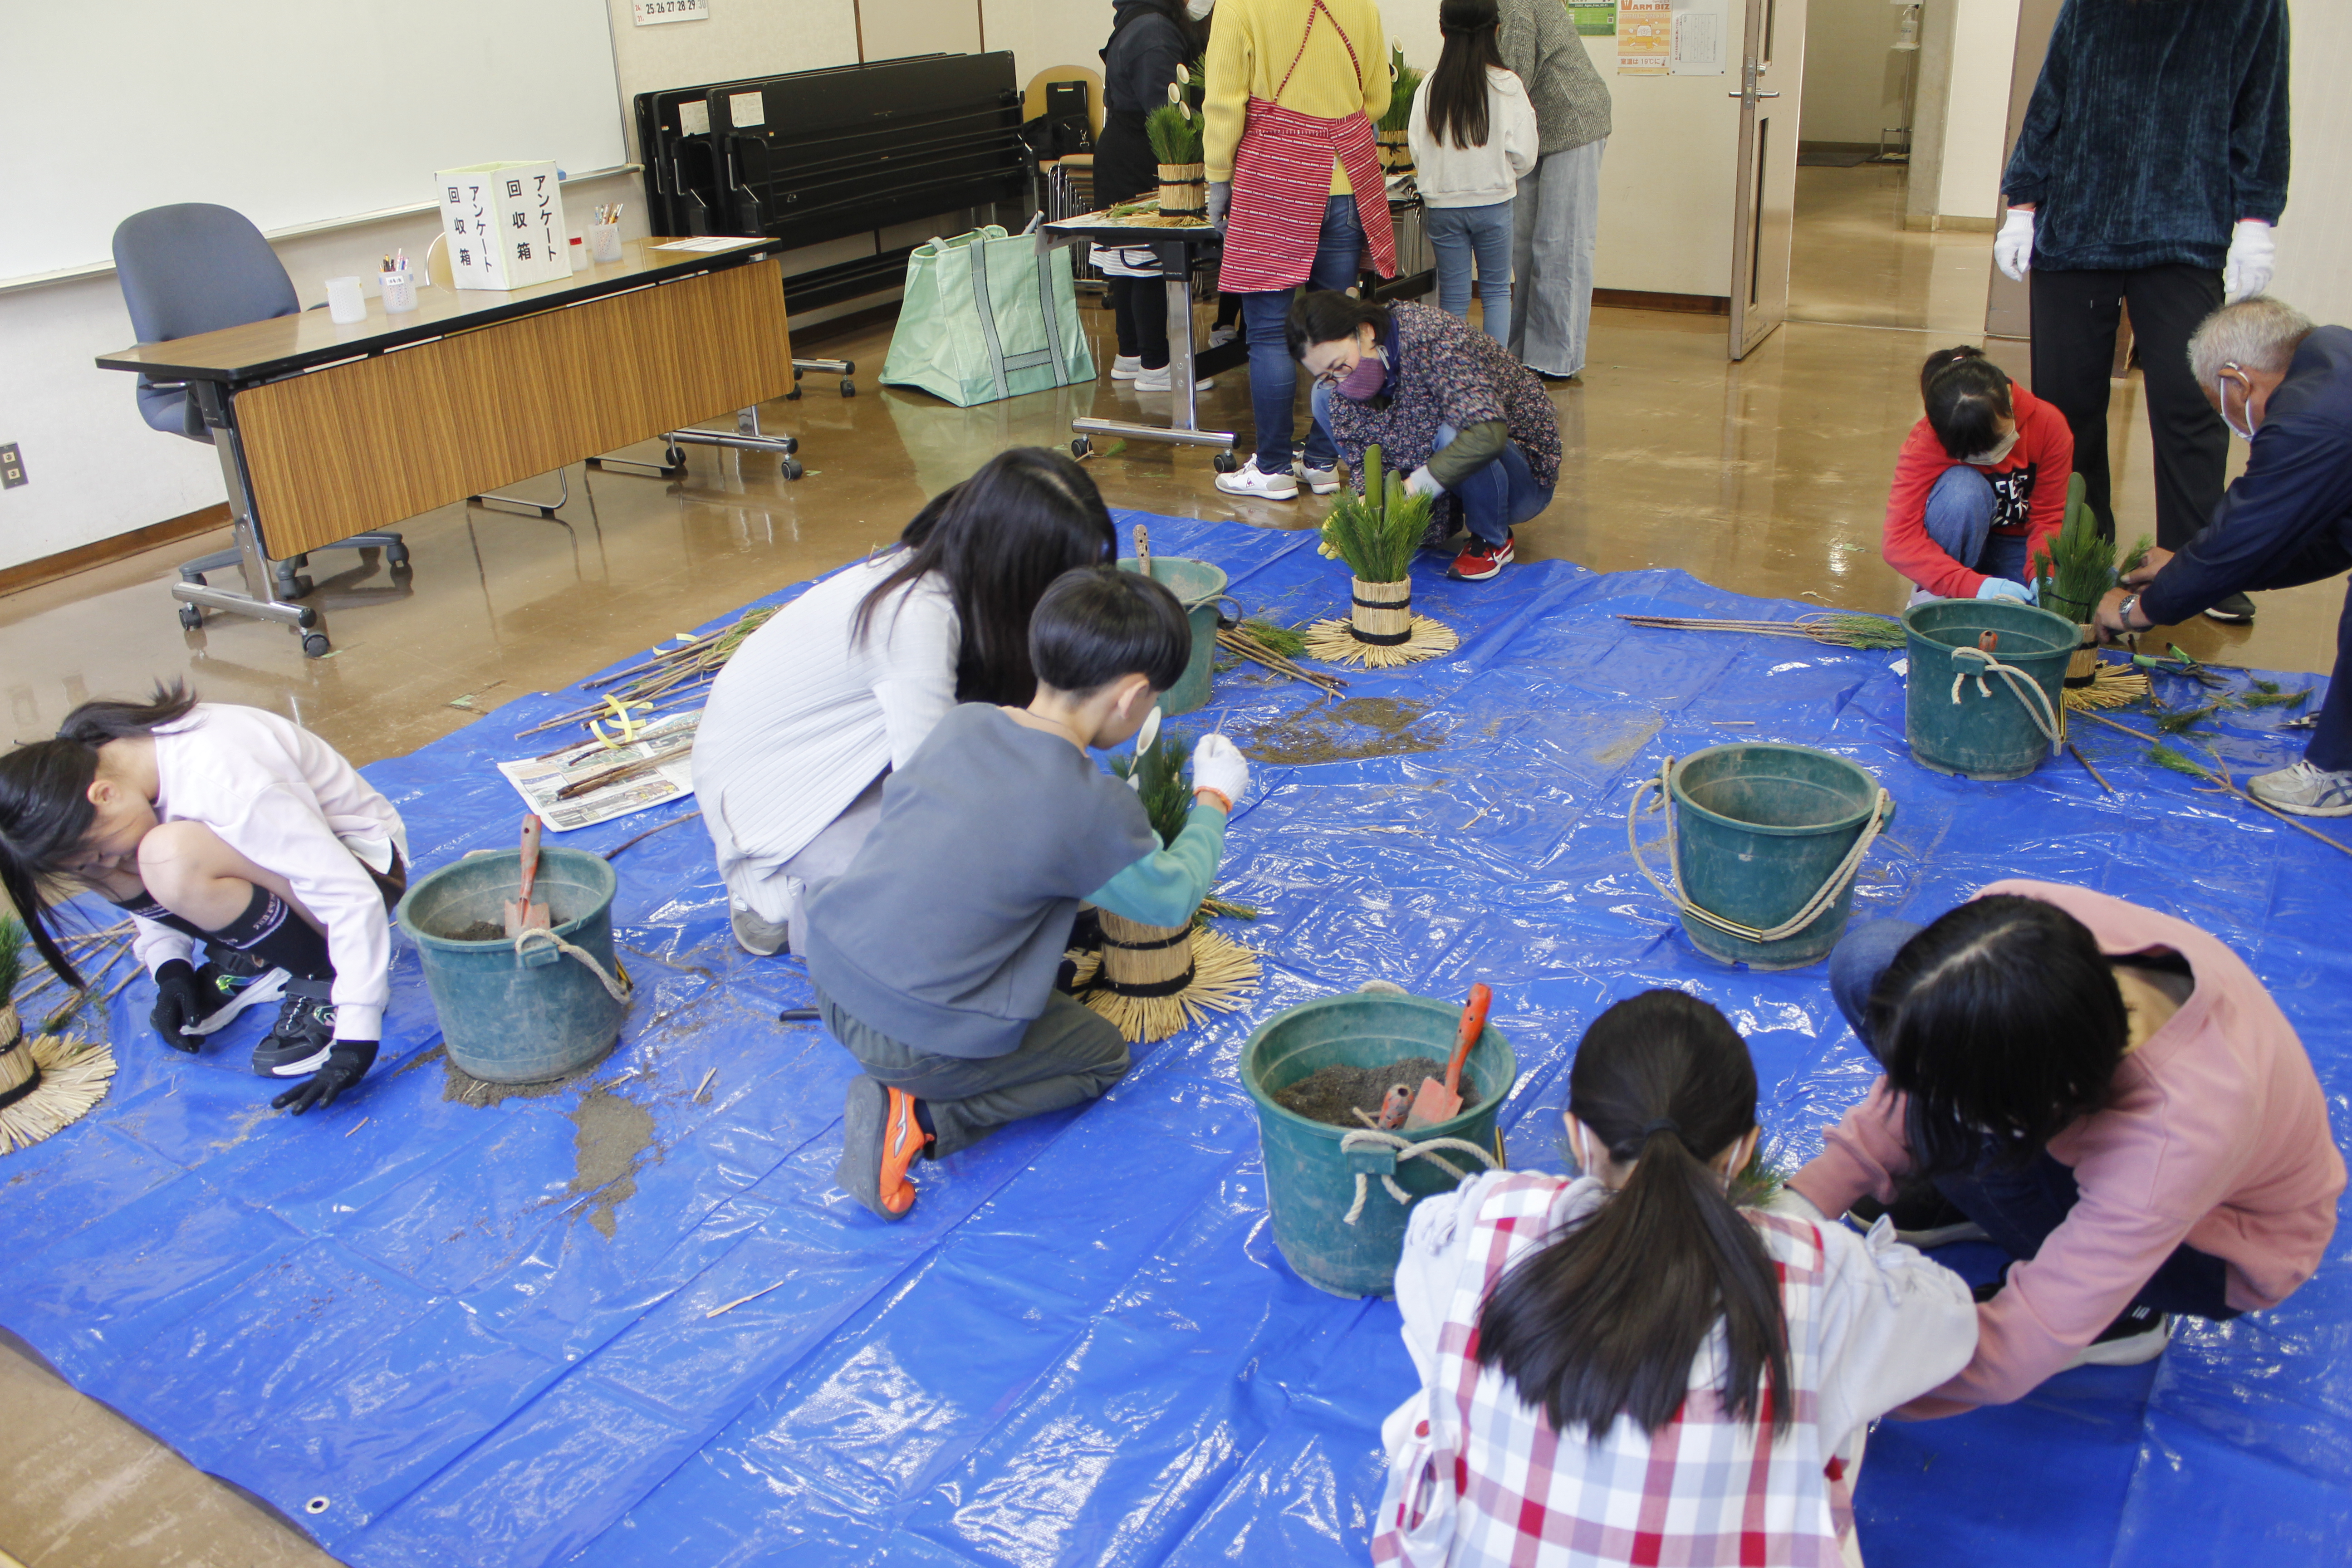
(1474, 1024)
(530, 855)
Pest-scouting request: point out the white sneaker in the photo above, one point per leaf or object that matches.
(1126, 367)
(757, 937)
(1220, 336)
(2305, 790)
(1159, 380)
(1322, 481)
(2139, 1335)
(1248, 480)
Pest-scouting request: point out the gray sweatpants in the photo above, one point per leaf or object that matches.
(1554, 223)
(1070, 1055)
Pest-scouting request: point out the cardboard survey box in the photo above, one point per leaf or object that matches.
(504, 223)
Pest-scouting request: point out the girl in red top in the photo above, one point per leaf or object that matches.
(1979, 481)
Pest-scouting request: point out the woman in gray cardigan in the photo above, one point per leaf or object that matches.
(1558, 212)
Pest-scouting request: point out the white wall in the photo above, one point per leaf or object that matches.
(2314, 233)
(1854, 82)
(96, 469)
(1975, 110)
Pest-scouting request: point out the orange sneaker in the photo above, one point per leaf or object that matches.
(881, 1140)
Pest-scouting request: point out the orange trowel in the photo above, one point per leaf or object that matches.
(521, 914)
(1438, 1101)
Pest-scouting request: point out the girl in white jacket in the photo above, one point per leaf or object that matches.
(231, 828)
(1629, 1368)
(1473, 135)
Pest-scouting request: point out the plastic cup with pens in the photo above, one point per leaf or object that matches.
(605, 241)
(399, 289)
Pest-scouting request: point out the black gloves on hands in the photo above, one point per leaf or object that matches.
(347, 1063)
(182, 1002)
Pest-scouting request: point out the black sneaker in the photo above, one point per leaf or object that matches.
(232, 981)
(298, 1043)
(2139, 1335)
(2235, 610)
(1923, 1218)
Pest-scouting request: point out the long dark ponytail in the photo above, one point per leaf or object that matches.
(1024, 517)
(1607, 1319)
(1457, 87)
(45, 808)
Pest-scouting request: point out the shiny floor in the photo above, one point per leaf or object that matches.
(1766, 476)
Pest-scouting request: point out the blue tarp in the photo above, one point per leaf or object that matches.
(484, 1335)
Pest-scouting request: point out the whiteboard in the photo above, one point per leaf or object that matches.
(292, 112)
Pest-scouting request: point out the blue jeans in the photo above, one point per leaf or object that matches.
(1273, 374)
(2018, 1208)
(1457, 234)
(1960, 520)
(1493, 501)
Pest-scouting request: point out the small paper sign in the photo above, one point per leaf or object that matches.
(651, 12)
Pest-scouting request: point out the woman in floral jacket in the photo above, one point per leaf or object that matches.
(1443, 402)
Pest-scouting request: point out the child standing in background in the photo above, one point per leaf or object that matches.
(1628, 1367)
(1473, 135)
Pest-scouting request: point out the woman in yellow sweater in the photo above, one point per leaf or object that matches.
(1294, 181)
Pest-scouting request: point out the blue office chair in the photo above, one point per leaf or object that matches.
(196, 268)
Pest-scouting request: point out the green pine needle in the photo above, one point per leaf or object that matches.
(11, 955)
(1226, 909)
(2073, 571)
(1166, 795)
(1174, 132)
(2138, 556)
(1867, 631)
(1758, 1182)
(2272, 697)
(1287, 641)
(2179, 724)
(1379, 532)
(2163, 756)
(1405, 82)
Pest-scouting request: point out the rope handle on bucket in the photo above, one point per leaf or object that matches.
(2019, 685)
(621, 989)
(1372, 1138)
(1824, 897)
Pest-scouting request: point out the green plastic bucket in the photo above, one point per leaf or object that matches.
(1988, 727)
(1311, 1180)
(1760, 833)
(1197, 586)
(510, 1017)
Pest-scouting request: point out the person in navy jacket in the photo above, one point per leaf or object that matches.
(2286, 387)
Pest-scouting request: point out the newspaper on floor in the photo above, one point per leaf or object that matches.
(591, 782)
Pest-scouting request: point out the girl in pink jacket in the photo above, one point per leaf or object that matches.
(2110, 1096)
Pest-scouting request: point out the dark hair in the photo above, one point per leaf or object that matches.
(1457, 87)
(1606, 1318)
(1098, 623)
(1965, 394)
(1326, 316)
(1186, 29)
(2001, 1017)
(45, 809)
(1024, 517)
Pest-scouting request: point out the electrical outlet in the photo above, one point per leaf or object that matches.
(12, 468)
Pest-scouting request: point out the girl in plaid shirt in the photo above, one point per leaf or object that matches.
(1627, 1368)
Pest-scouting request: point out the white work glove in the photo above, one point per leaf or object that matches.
(2252, 253)
(1218, 764)
(2002, 588)
(1221, 201)
(1422, 482)
(2012, 248)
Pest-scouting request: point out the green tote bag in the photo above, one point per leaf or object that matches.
(988, 316)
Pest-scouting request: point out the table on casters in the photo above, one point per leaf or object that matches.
(327, 431)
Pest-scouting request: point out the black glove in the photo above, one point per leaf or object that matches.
(347, 1063)
(180, 999)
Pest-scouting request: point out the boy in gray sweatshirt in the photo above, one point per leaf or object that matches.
(935, 955)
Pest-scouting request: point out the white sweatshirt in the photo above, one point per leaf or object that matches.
(288, 802)
(1450, 177)
(803, 717)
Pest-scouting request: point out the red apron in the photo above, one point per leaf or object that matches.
(1282, 185)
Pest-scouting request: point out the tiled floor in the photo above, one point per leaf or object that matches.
(1768, 476)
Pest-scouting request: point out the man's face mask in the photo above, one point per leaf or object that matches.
(1996, 453)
